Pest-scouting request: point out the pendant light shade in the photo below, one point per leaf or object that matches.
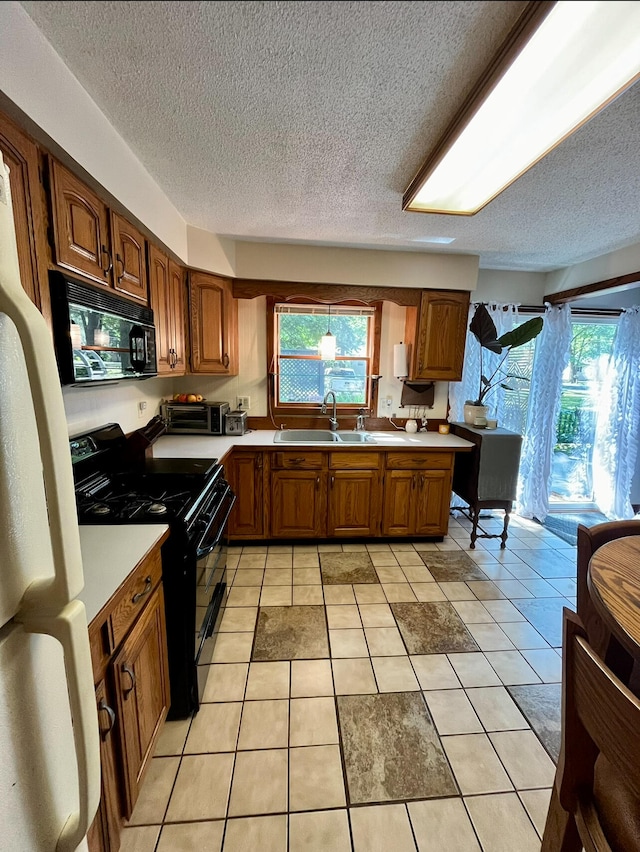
(328, 342)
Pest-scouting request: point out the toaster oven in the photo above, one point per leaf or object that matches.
(195, 418)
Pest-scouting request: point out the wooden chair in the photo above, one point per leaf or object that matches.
(595, 801)
(589, 540)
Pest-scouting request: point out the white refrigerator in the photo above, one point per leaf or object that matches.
(49, 746)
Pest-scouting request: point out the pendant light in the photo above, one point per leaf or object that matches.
(328, 342)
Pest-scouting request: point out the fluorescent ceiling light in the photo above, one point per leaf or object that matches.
(560, 65)
(439, 240)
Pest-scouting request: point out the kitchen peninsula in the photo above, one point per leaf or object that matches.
(396, 486)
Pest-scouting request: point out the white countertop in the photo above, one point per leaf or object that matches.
(214, 446)
(109, 555)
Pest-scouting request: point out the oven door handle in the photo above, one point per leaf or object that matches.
(204, 550)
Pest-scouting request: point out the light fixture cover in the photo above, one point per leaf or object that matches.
(560, 65)
(328, 347)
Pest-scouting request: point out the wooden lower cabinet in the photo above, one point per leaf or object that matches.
(417, 493)
(132, 694)
(339, 494)
(245, 474)
(298, 503)
(142, 692)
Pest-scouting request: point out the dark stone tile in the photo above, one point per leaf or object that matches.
(347, 568)
(452, 567)
(432, 628)
(546, 616)
(391, 749)
(541, 704)
(291, 633)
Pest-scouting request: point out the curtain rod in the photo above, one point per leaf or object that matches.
(577, 311)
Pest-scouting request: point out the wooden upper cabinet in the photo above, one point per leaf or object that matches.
(166, 284)
(437, 333)
(213, 324)
(129, 259)
(80, 227)
(177, 289)
(20, 155)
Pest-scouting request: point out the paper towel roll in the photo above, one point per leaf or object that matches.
(400, 360)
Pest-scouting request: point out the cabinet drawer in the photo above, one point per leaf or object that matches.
(419, 461)
(300, 460)
(354, 460)
(134, 595)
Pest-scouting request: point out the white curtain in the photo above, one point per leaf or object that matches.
(505, 318)
(618, 425)
(550, 360)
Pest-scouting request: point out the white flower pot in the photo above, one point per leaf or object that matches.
(473, 411)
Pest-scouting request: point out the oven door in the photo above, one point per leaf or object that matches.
(211, 590)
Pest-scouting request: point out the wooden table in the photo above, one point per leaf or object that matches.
(613, 581)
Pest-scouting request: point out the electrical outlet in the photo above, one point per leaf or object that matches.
(243, 402)
(389, 401)
(142, 407)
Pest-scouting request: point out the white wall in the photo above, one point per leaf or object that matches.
(90, 407)
(498, 285)
(34, 77)
(210, 252)
(622, 262)
(368, 267)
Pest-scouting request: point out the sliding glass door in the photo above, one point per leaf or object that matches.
(572, 477)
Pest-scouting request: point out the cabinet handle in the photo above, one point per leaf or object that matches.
(121, 262)
(103, 706)
(129, 671)
(333, 479)
(317, 483)
(259, 462)
(413, 481)
(147, 588)
(225, 361)
(172, 359)
(106, 271)
(296, 461)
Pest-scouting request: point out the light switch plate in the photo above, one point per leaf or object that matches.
(243, 402)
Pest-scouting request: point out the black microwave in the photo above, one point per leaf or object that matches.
(99, 336)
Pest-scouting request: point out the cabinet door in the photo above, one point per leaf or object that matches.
(129, 259)
(213, 325)
(177, 303)
(433, 495)
(438, 352)
(298, 503)
(104, 834)
(353, 502)
(142, 689)
(245, 474)
(80, 227)
(161, 304)
(20, 154)
(399, 498)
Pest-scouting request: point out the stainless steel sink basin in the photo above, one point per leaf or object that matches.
(323, 436)
(356, 438)
(306, 436)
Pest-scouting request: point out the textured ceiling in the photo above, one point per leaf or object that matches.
(306, 121)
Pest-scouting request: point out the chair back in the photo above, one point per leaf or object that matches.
(598, 775)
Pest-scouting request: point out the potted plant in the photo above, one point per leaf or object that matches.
(484, 330)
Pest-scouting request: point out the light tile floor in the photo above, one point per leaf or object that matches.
(262, 765)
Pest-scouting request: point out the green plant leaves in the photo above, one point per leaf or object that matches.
(484, 328)
(520, 335)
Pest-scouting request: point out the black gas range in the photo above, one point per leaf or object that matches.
(116, 483)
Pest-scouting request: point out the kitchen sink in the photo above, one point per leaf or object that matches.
(306, 436)
(356, 437)
(324, 436)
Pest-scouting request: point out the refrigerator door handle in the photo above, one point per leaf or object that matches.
(69, 627)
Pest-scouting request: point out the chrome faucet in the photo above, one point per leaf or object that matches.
(333, 420)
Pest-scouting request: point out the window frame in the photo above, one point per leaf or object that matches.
(308, 409)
